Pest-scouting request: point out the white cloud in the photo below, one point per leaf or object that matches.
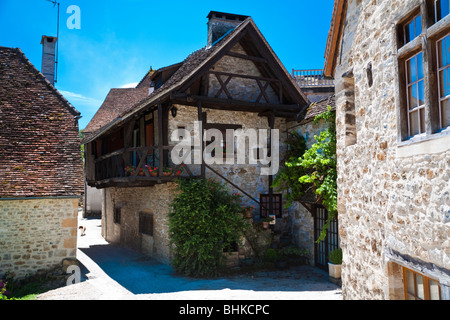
(130, 85)
(76, 97)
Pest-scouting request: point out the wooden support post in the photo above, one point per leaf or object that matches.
(202, 144)
(271, 119)
(160, 139)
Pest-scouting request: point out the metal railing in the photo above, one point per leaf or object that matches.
(311, 78)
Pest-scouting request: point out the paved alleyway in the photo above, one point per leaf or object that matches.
(112, 272)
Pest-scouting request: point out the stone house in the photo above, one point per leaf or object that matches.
(235, 82)
(390, 63)
(41, 173)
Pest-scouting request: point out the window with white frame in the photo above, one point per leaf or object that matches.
(424, 79)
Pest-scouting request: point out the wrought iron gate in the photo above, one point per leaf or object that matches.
(331, 242)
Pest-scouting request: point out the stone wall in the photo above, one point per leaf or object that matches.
(131, 202)
(36, 234)
(156, 199)
(247, 176)
(393, 199)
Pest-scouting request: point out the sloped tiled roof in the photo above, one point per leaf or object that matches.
(40, 152)
(319, 107)
(190, 67)
(117, 101)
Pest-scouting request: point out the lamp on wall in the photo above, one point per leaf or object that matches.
(174, 112)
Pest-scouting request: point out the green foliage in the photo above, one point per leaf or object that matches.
(271, 255)
(27, 289)
(315, 168)
(290, 173)
(320, 159)
(335, 256)
(292, 252)
(204, 220)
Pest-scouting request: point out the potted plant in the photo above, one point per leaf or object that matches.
(153, 171)
(266, 222)
(167, 171)
(141, 172)
(247, 211)
(179, 171)
(129, 171)
(335, 263)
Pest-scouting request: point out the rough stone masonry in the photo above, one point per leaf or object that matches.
(393, 197)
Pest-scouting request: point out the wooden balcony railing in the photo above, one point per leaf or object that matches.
(138, 164)
(311, 78)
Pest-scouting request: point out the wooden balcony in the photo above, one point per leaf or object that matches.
(311, 78)
(131, 167)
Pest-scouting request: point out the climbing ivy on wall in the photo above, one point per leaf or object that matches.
(314, 168)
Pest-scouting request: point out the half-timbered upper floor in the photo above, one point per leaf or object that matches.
(235, 82)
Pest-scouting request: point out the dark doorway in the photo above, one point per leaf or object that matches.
(331, 242)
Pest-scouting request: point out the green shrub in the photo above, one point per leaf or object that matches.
(204, 220)
(335, 256)
(271, 255)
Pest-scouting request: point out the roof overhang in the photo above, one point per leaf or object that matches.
(334, 37)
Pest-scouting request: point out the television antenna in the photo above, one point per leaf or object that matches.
(55, 3)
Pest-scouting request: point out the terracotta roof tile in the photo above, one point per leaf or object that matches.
(319, 107)
(117, 101)
(39, 142)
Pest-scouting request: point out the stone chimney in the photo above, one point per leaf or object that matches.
(221, 23)
(48, 57)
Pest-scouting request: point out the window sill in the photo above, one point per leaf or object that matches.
(425, 144)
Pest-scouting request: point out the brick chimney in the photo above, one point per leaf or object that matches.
(48, 57)
(221, 23)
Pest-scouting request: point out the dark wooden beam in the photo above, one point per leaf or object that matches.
(206, 66)
(202, 119)
(279, 114)
(244, 76)
(246, 57)
(232, 104)
(289, 86)
(223, 86)
(271, 120)
(160, 139)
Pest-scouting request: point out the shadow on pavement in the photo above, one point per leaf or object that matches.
(143, 275)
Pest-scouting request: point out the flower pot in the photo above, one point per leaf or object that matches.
(334, 270)
(167, 173)
(248, 214)
(154, 174)
(265, 224)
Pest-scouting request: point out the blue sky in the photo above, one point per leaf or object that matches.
(120, 40)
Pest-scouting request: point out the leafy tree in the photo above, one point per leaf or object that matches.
(316, 169)
(321, 160)
(205, 220)
(290, 172)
